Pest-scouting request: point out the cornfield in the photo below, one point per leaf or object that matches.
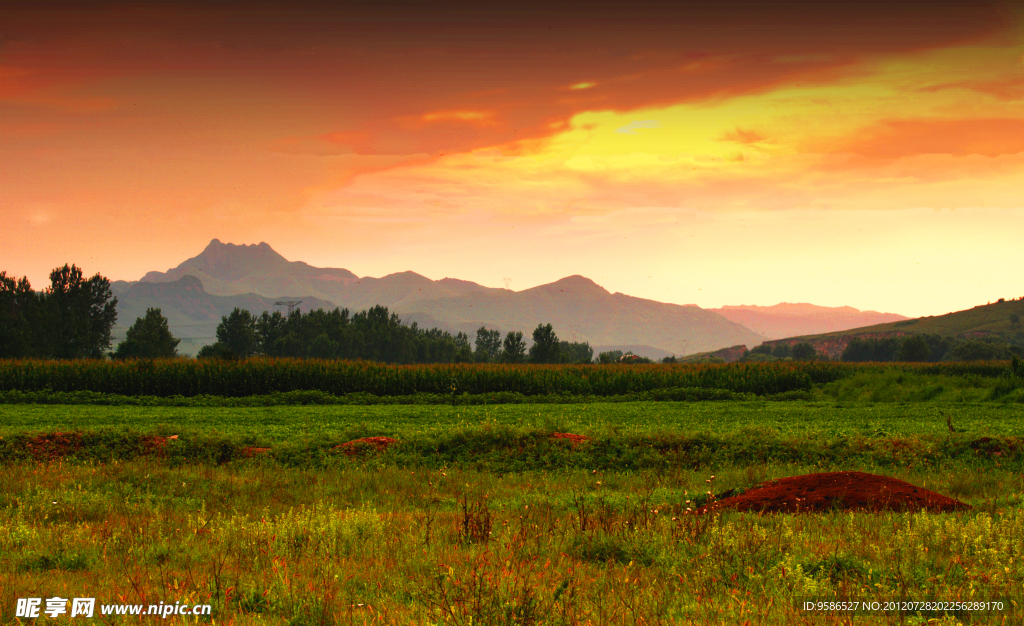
(258, 376)
(185, 377)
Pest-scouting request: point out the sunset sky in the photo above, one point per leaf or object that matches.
(868, 154)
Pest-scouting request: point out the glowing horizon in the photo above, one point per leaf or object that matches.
(866, 155)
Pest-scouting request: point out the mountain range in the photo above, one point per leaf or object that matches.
(789, 320)
(195, 294)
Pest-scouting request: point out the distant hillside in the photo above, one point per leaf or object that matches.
(192, 314)
(985, 320)
(789, 320)
(579, 309)
(728, 355)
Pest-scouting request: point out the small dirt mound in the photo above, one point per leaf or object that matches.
(357, 446)
(53, 445)
(154, 444)
(251, 451)
(837, 491)
(575, 439)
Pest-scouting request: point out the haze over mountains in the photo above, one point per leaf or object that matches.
(791, 320)
(195, 294)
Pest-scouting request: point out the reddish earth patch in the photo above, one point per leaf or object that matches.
(152, 444)
(54, 445)
(356, 446)
(995, 447)
(837, 490)
(250, 451)
(575, 439)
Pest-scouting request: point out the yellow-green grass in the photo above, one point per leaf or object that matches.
(270, 425)
(422, 536)
(372, 545)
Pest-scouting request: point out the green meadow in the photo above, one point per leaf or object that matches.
(479, 516)
(268, 425)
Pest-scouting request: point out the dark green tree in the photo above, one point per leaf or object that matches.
(271, 332)
(148, 338)
(914, 349)
(545, 348)
(513, 348)
(236, 336)
(1014, 319)
(858, 351)
(972, 350)
(463, 353)
(804, 351)
(18, 306)
(611, 356)
(488, 345)
(76, 315)
(573, 352)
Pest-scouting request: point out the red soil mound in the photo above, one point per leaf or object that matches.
(154, 444)
(251, 451)
(575, 439)
(837, 490)
(53, 445)
(356, 446)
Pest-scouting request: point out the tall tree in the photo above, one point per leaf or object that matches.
(236, 335)
(463, 353)
(545, 348)
(77, 315)
(18, 305)
(488, 345)
(573, 352)
(148, 338)
(804, 351)
(914, 349)
(514, 348)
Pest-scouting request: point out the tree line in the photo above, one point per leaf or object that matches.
(379, 335)
(70, 319)
(907, 349)
(74, 316)
(933, 348)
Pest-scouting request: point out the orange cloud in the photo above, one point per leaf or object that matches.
(1007, 88)
(155, 122)
(744, 136)
(894, 139)
(355, 70)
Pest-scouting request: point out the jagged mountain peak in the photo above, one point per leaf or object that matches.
(217, 252)
(232, 262)
(575, 284)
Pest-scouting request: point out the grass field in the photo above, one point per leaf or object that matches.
(478, 516)
(385, 545)
(267, 425)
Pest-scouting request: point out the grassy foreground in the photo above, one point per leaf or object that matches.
(479, 517)
(387, 545)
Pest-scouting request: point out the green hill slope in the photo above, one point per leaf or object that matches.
(994, 320)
